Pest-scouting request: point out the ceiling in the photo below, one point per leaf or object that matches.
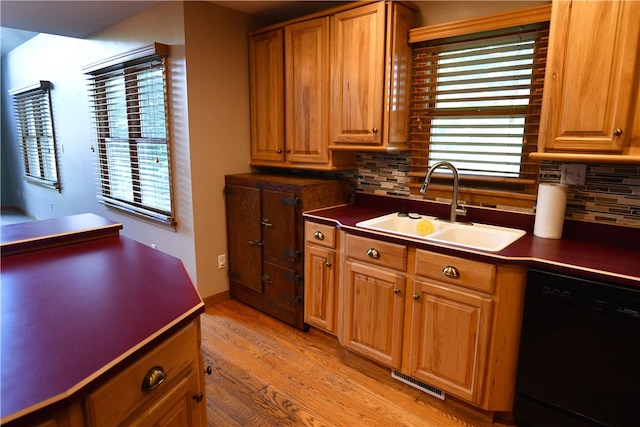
(21, 20)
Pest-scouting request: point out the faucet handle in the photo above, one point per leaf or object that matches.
(461, 210)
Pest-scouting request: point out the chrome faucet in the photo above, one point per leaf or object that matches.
(456, 180)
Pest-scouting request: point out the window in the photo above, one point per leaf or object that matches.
(129, 104)
(36, 137)
(476, 100)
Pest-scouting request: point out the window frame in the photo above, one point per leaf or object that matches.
(36, 134)
(477, 189)
(129, 67)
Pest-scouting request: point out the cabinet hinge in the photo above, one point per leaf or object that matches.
(292, 201)
(295, 300)
(296, 278)
(296, 255)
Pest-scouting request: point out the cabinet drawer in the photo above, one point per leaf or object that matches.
(471, 274)
(123, 395)
(320, 234)
(377, 252)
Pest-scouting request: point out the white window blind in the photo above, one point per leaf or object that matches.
(36, 136)
(476, 102)
(129, 105)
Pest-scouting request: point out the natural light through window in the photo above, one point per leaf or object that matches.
(482, 78)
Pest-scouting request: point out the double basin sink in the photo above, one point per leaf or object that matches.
(484, 237)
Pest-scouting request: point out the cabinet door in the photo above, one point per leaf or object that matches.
(590, 76)
(320, 288)
(374, 307)
(449, 339)
(245, 236)
(281, 285)
(279, 225)
(358, 72)
(307, 91)
(266, 63)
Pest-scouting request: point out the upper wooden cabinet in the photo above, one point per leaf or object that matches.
(329, 84)
(371, 77)
(307, 91)
(590, 107)
(266, 55)
(290, 97)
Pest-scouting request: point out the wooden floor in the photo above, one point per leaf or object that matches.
(266, 373)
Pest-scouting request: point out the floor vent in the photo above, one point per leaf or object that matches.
(418, 384)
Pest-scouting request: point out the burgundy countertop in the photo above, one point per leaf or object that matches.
(587, 249)
(33, 235)
(71, 314)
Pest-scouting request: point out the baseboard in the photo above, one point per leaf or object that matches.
(212, 300)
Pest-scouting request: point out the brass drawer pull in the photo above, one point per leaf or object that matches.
(153, 378)
(318, 235)
(451, 271)
(256, 242)
(617, 131)
(396, 291)
(373, 253)
(198, 397)
(266, 222)
(328, 264)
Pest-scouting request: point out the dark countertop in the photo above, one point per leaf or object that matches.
(33, 235)
(72, 315)
(586, 249)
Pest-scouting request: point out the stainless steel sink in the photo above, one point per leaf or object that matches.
(485, 237)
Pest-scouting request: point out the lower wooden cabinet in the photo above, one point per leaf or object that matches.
(321, 277)
(164, 387)
(450, 332)
(373, 312)
(265, 234)
(448, 321)
(373, 302)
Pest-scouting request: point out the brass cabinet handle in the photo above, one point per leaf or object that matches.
(451, 271)
(256, 242)
(153, 378)
(373, 253)
(416, 297)
(318, 235)
(617, 131)
(374, 130)
(266, 278)
(279, 151)
(396, 291)
(198, 397)
(328, 264)
(208, 370)
(266, 222)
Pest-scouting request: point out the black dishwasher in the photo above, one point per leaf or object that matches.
(579, 360)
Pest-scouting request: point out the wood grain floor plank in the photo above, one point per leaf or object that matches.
(266, 373)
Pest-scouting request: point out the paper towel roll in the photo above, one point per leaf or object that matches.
(550, 208)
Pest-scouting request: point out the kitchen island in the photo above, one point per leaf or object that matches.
(82, 315)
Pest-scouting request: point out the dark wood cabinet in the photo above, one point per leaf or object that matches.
(265, 233)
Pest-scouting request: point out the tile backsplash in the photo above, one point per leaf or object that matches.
(611, 194)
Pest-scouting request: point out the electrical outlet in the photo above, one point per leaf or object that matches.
(222, 261)
(573, 174)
